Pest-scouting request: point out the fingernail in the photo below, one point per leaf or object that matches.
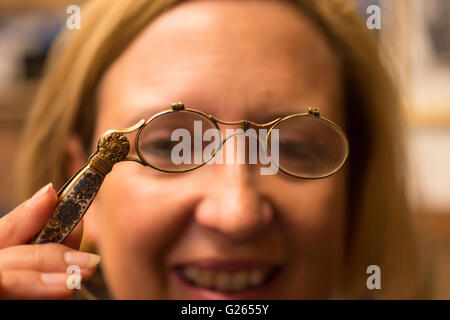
(39, 194)
(82, 259)
(54, 278)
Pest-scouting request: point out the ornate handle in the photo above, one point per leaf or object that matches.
(77, 195)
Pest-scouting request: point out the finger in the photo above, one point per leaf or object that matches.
(50, 257)
(73, 240)
(22, 223)
(33, 285)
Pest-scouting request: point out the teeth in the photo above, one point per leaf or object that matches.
(256, 277)
(191, 273)
(225, 281)
(222, 281)
(206, 278)
(239, 281)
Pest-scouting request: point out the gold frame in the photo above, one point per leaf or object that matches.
(243, 124)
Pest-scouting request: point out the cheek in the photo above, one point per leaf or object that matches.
(315, 210)
(312, 215)
(140, 211)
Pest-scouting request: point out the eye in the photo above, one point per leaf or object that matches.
(299, 150)
(157, 145)
(303, 155)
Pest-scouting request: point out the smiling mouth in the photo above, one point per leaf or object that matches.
(227, 278)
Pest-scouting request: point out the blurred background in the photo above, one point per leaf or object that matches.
(414, 38)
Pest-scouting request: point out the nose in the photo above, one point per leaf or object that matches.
(233, 205)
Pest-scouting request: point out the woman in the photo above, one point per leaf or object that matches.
(160, 235)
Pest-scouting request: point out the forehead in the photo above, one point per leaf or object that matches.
(234, 59)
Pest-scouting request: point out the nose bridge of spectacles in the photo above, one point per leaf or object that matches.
(246, 124)
(243, 124)
(243, 129)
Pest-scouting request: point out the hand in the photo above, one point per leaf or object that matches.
(38, 271)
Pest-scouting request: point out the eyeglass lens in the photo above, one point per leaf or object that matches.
(170, 142)
(310, 146)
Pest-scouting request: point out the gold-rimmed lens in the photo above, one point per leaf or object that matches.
(308, 146)
(177, 141)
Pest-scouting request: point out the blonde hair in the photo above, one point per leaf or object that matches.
(380, 227)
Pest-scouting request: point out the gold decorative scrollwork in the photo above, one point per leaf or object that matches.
(112, 148)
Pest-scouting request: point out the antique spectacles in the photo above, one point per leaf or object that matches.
(307, 146)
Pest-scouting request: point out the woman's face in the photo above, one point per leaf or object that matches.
(222, 226)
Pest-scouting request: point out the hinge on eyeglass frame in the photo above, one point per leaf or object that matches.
(177, 106)
(314, 112)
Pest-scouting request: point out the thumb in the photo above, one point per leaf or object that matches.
(26, 220)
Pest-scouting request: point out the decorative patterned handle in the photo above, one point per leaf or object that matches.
(77, 195)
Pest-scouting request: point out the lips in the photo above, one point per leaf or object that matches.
(227, 277)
